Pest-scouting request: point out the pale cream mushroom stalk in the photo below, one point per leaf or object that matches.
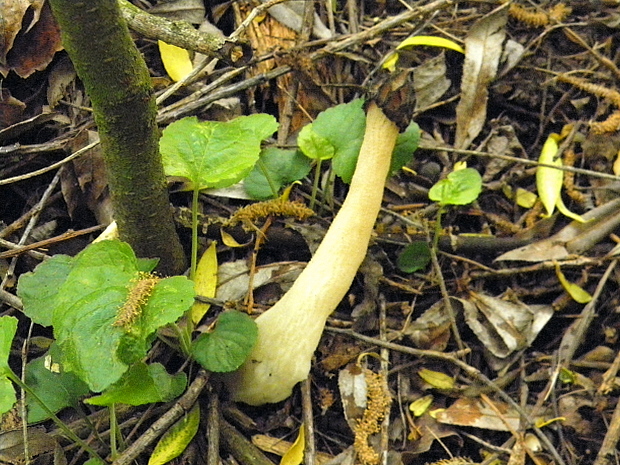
(289, 332)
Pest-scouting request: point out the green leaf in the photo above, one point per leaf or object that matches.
(337, 132)
(8, 328)
(315, 146)
(84, 312)
(142, 384)
(57, 390)
(213, 153)
(414, 257)
(7, 395)
(177, 438)
(227, 347)
(283, 167)
(39, 289)
(406, 145)
(459, 188)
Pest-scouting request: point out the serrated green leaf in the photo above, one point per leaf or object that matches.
(227, 347)
(416, 256)
(84, 311)
(283, 167)
(177, 438)
(459, 188)
(142, 384)
(213, 153)
(57, 390)
(39, 289)
(337, 132)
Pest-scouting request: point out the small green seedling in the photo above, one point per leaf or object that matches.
(213, 154)
(460, 187)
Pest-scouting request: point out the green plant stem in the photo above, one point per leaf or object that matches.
(194, 259)
(261, 165)
(113, 431)
(68, 433)
(315, 184)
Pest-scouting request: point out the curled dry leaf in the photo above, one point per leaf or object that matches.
(483, 49)
(504, 326)
(30, 47)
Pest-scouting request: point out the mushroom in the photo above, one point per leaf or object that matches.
(289, 332)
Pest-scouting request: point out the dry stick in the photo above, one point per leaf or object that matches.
(308, 424)
(213, 429)
(182, 406)
(31, 224)
(16, 249)
(241, 449)
(385, 362)
(471, 371)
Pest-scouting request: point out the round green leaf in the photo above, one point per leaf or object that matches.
(459, 188)
(227, 347)
(282, 166)
(414, 257)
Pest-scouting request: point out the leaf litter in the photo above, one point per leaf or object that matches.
(514, 278)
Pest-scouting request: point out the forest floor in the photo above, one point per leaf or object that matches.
(525, 372)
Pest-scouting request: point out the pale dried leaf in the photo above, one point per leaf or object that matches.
(474, 412)
(353, 393)
(430, 82)
(483, 49)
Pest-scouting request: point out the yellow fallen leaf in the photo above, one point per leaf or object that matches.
(549, 180)
(205, 282)
(419, 406)
(437, 379)
(176, 60)
(228, 240)
(577, 293)
(295, 455)
(525, 198)
(430, 41)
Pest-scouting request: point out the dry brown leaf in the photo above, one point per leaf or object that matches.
(474, 412)
(13, 12)
(483, 49)
(504, 326)
(34, 46)
(279, 447)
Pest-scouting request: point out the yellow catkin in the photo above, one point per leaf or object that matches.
(140, 289)
(249, 214)
(378, 403)
(529, 17)
(610, 125)
(559, 12)
(594, 89)
(533, 18)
